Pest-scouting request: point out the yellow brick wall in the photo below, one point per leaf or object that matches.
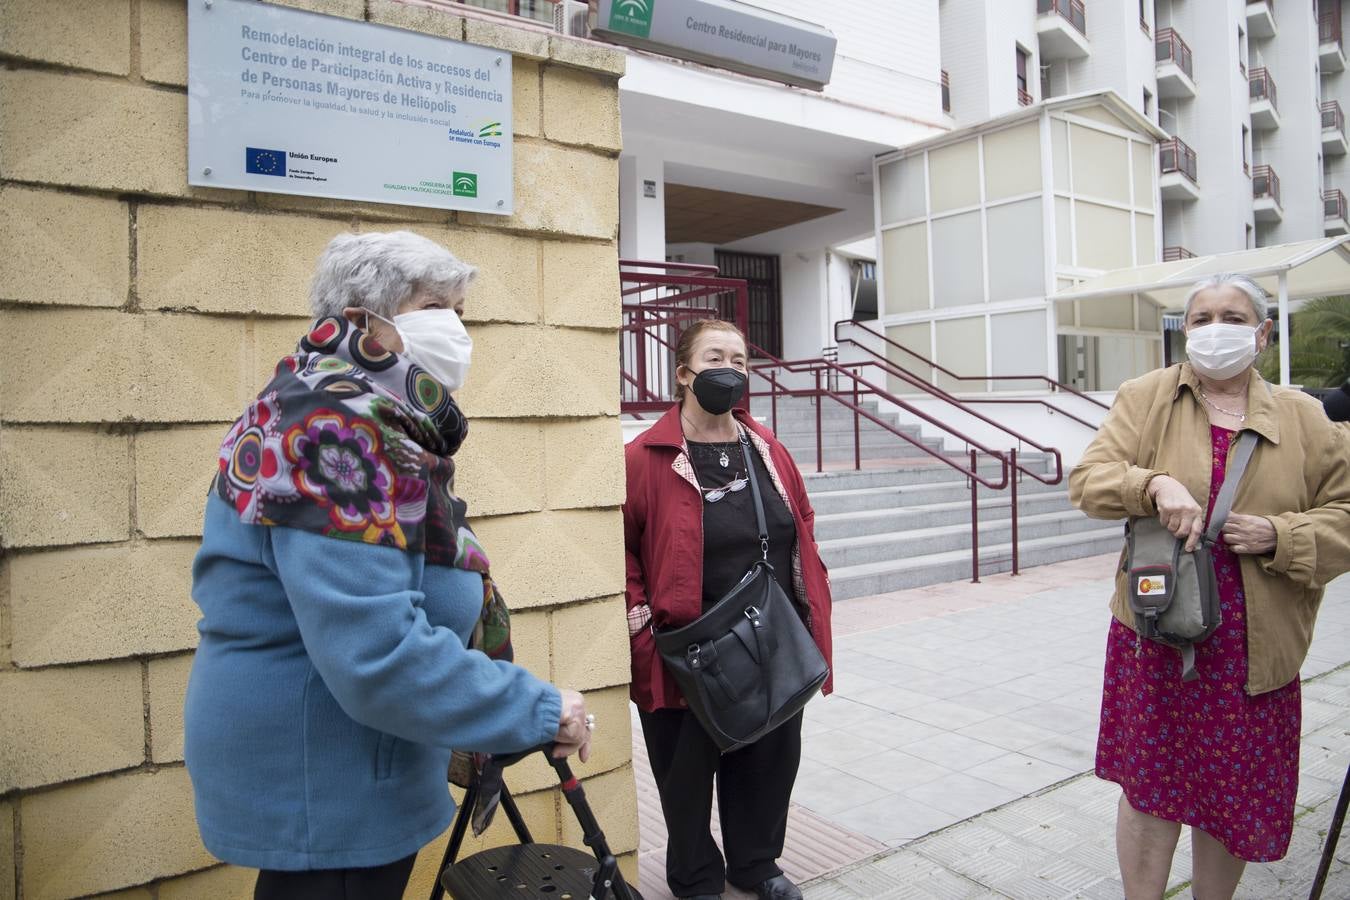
(142, 314)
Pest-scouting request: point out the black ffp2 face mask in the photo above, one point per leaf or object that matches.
(718, 390)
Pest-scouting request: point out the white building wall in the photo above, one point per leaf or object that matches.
(886, 57)
(1336, 86)
(964, 38)
(1010, 25)
(1294, 149)
(1211, 123)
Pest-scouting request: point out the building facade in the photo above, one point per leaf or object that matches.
(1251, 95)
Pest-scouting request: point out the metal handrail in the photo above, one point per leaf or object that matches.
(1055, 385)
(1024, 98)
(1333, 117)
(1169, 45)
(1175, 155)
(1007, 463)
(1176, 254)
(946, 92)
(821, 365)
(890, 367)
(1072, 10)
(1265, 183)
(1333, 204)
(1329, 25)
(1261, 86)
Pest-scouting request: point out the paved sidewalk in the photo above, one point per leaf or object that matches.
(958, 699)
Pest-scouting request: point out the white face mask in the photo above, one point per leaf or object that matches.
(1221, 351)
(435, 339)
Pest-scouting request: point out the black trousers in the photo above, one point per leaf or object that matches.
(754, 786)
(385, 882)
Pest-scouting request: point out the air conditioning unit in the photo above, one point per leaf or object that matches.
(572, 17)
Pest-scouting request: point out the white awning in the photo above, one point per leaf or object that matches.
(1314, 269)
(1287, 272)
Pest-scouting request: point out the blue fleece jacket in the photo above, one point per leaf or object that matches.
(331, 682)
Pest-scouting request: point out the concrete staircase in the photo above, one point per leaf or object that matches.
(904, 520)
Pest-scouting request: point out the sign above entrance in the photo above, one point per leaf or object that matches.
(725, 34)
(292, 102)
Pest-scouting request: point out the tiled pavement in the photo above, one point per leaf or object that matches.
(955, 700)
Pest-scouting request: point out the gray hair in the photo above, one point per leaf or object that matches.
(1255, 294)
(380, 270)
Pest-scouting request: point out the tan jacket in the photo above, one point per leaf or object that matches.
(1299, 479)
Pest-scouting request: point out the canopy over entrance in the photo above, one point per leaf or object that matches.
(1286, 271)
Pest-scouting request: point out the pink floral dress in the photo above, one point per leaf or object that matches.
(1204, 754)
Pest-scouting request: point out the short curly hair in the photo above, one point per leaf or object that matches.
(378, 271)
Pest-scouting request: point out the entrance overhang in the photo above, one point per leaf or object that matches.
(1286, 272)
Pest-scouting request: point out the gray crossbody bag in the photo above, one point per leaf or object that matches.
(1173, 594)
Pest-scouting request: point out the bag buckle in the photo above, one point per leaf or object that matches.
(692, 653)
(764, 548)
(752, 613)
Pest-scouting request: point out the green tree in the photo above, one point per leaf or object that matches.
(1319, 351)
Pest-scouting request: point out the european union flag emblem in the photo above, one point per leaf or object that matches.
(264, 162)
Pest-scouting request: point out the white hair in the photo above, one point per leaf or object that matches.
(378, 271)
(1255, 295)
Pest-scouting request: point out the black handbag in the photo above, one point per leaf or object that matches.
(748, 664)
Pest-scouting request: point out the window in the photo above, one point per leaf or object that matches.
(1148, 104)
(1246, 166)
(1242, 51)
(1250, 243)
(538, 10)
(1047, 86)
(1143, 15)
(1023, 88)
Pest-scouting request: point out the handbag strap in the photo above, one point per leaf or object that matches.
(1223, 503)
(754, 489)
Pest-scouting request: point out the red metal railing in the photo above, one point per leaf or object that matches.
(1175, 155)
(946, 92)
(981, 379)
(1333, 204)
(1265, 183)
(1072, 10)
(1329, 23)
(1332, 117)
(1170, 46)
(1176, 254)
(1143, 23)
(823, 371)
(1024, 98)
(1262, 87)
(659, 300)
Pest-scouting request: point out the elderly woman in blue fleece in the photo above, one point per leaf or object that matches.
(351, 634)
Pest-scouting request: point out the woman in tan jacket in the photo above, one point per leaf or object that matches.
(1220, 753)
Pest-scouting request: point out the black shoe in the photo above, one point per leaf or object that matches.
(777, 888)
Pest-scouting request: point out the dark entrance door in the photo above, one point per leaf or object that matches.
(766, 297)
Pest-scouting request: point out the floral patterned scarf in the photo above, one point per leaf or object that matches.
(354, 442)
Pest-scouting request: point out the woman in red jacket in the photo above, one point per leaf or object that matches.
(690, 533)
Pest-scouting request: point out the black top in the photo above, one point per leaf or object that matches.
(730, 530)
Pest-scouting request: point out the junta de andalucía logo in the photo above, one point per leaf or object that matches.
(632, 17)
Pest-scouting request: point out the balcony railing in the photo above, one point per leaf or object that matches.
(1072, 10)
(1333, 204)
(1176, 156)
(1176, 254)
(1265, 183)
(1332, 117)
(1262, 87)
(1023, 98)
(1329, 24)
(1143, 23)
(946, 93)
(1169, 45)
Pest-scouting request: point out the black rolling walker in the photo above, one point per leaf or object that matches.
(1333, 835)
(530, 871)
